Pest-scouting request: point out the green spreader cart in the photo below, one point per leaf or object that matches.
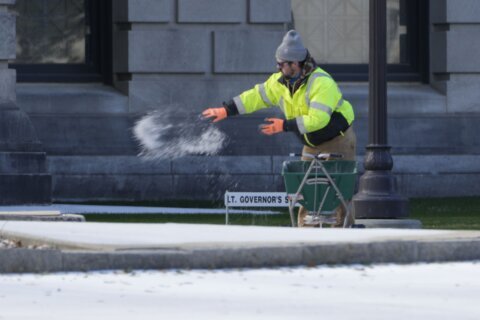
(320, 185)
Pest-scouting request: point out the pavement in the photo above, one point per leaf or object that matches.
(76, 212)
(81, 209)
(72, 246)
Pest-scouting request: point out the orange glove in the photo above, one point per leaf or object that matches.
(275, 126)
(216, 114)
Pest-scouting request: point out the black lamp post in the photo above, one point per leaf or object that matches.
(377, 197)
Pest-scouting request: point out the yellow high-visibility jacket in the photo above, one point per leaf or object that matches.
(315, 110)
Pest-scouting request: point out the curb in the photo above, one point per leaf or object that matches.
(20, 260)
(41, 217)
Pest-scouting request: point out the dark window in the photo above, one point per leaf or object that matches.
(63, 41)
(336, 33)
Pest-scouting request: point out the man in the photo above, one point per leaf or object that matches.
(311, 101)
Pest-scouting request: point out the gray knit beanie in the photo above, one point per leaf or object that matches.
(291, 48)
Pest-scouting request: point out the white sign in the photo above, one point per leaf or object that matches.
(256, 199)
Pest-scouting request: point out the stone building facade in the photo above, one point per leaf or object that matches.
(193, 54)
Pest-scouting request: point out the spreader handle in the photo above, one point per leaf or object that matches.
(325, 156)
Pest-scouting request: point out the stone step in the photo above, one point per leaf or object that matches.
(34, 188)
(82, 178)
(112, 135)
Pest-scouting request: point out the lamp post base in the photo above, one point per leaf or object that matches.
(377, 198)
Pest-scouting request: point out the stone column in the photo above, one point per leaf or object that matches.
(23, 176)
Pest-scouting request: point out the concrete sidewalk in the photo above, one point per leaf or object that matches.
(66, 209)
(76, 212)
(102, 246)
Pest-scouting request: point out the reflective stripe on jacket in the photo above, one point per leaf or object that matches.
(310, 108)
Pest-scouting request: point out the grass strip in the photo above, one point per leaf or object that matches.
(444, 213)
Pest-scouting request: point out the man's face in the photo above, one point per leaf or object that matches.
(289, 69)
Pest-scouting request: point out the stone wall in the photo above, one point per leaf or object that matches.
(194, 54)
(455, 62)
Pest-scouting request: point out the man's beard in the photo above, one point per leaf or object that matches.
(288, 76)
(291, 77)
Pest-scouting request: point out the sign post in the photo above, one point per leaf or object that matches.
(254, 199)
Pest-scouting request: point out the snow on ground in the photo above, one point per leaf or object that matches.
(420, 291)
(144, 235)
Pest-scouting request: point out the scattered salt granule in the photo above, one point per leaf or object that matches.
(167, 134)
